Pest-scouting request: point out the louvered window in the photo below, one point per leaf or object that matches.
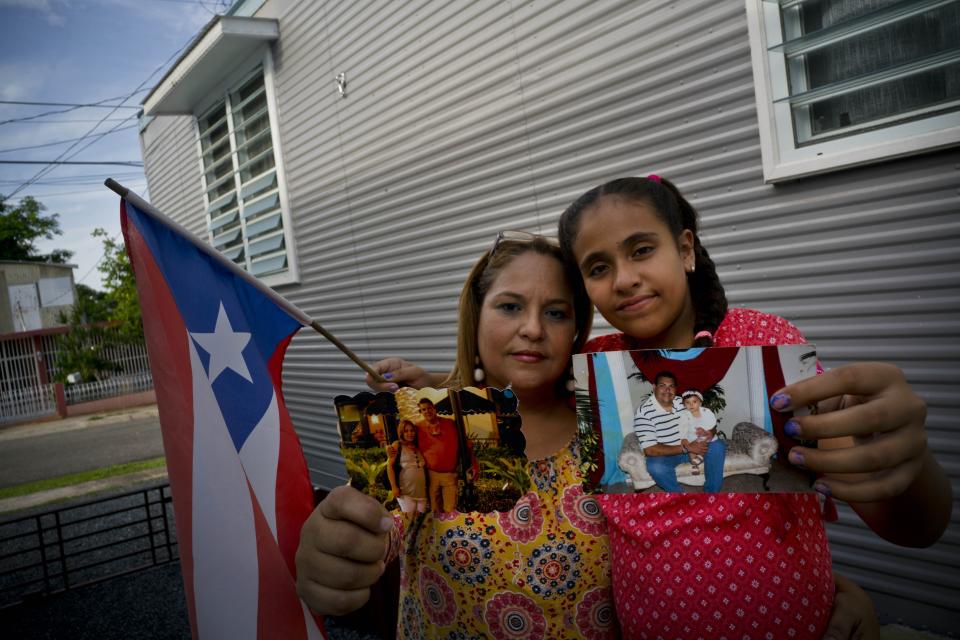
(242, 191)
(846, 82)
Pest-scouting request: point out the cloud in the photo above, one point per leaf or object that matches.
(20, 79)
(180, 18)
(43, 7)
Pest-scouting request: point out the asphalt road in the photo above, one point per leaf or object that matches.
(49, 454)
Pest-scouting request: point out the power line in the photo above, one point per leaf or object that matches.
(47, 196)
(72, 108)
(53, 144)
(122, 163)
(68, 120)
(78, 179)
(43, 172)
(70, 104)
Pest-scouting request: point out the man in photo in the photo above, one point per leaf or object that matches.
(437, 438)
(657, 425)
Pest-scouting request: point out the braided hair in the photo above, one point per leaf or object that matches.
(706, 291)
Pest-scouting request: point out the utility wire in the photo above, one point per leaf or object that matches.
(121, 163)
(47, 196)
(71, 104)
(55, 143)
(69, 120)
(43, 172)
(99, 103)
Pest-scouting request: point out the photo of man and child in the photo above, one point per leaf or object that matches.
(678, 420)
(435, 449)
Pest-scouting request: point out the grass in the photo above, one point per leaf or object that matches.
(83, 476)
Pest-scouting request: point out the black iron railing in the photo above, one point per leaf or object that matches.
(86, 543)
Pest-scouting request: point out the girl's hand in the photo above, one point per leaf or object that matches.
(398, 371)
(853, 615)
(869, 426)
(342, 549)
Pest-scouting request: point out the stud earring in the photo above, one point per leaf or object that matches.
(478, 373)
(571, 383)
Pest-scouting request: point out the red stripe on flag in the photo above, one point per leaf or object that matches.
(294, 491)
(279, 614)
(166, 338)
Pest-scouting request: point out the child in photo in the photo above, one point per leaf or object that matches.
(697, 424)
(406, 470)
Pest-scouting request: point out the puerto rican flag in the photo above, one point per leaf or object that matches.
(241, 491)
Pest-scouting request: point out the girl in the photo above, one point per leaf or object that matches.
(405, 469)
(697, 424)
(634, 241)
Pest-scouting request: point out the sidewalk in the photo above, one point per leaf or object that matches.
(32, 429)
(84, 489)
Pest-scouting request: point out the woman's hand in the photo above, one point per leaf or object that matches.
(342, 549)
(398, 371)
(872, 446)
(853, 616)
(878, 420)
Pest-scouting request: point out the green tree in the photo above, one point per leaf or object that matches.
(96, 304)
(82, 347)
(121, 287)
(22, 225)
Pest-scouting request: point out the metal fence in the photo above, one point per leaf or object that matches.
(87, 391)
(30, 362)
(86, 543)
(24, 404)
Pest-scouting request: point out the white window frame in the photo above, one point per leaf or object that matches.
(265, 60)
(782, 158)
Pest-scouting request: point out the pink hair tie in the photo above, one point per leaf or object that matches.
(653, 177)
(703, 334)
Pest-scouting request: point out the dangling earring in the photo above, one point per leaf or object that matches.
(478, 373)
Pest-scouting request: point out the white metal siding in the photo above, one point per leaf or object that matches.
(463, 119)
(172, 167)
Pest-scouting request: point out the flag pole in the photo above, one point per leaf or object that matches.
(281, 302)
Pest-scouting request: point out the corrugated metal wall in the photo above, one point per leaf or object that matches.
(169, 147)
(463, 119)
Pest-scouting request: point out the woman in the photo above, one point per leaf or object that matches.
(545, 570)
(406, 470)
(539, 570)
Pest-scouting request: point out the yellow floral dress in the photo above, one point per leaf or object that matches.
(541, 570)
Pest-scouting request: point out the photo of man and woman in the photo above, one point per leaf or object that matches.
(689, 419)
(435, 449)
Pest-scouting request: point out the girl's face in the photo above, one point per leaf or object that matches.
(692, 403)
(526, 328)
(635, 271)
(408, 432)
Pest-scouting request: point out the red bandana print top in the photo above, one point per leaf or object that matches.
(728, 565)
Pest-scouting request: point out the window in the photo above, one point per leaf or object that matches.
(242, 189)
(842, 83)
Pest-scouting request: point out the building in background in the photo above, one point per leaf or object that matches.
(359, 157)
(34, 294)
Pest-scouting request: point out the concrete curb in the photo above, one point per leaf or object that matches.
(34, 429)
(40, 498)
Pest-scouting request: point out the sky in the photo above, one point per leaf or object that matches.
(80, 52)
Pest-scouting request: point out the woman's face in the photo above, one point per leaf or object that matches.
(526, 328)
(408, 432)
(635, 271)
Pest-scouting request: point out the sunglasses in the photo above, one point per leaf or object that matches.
(521, 237)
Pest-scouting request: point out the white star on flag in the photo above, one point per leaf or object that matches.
(225, 347)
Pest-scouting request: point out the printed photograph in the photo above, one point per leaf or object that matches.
(689, 420)
(435, 449)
